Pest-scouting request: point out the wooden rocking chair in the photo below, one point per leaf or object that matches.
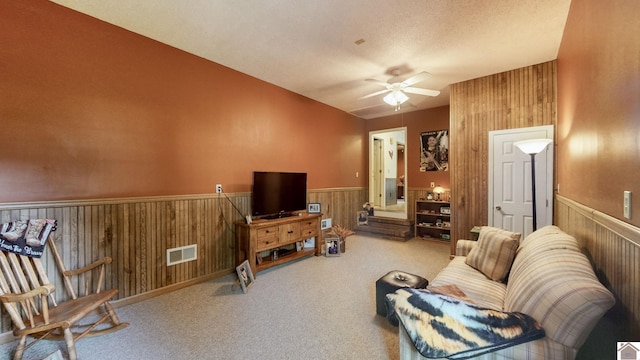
(27, 296)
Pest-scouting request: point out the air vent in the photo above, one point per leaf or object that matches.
(182, 254)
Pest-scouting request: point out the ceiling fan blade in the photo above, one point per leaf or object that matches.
(382, 83)
(419, 91)
(375, 93)
(416, 79)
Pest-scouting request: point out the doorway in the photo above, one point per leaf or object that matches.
(387, 172)
(510, 195)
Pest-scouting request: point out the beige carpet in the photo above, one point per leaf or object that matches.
(314, 308)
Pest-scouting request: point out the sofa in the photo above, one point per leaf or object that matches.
(545, 276)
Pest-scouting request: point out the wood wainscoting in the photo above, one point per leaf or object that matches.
(614, 247)
(341, 205)
(136, 233)
(518, 98)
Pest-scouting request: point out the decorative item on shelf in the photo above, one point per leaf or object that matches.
(445, 210)
(342, 234)
(368, 208)
(438, 190)
(429, 195)
(314, 208)
(309, 243)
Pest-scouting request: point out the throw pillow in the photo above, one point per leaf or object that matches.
(494, 252)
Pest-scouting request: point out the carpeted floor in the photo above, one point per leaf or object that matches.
(314, 308)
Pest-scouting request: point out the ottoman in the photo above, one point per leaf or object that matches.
(393, 281)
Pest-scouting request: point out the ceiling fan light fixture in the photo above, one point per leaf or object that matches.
(395, 98)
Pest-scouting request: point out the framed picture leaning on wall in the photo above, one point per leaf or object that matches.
(363, 217)
(245, 276)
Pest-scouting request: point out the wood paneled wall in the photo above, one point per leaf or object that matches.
(341, 205)
(519, 98)
(136, 233)
(614, 247)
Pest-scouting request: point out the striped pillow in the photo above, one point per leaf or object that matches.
(494, 252)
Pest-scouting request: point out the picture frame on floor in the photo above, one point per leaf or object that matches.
(332, 247)
(245, 276)
(363, 217)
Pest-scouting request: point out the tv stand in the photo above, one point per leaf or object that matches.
(279, 234)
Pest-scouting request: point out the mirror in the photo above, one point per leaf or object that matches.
(387, 172)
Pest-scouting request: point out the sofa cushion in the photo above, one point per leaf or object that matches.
(474, 284)
(494, 252)
(553, 281)
(536, 241)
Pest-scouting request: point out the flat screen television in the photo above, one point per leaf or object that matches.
(278, 194)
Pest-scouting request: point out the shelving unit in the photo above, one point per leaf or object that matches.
(433, 220)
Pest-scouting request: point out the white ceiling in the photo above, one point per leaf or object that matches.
(309, 46)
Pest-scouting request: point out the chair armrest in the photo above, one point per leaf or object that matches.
(93, 265)
(40, 290)
(93, 281)
(463, 247)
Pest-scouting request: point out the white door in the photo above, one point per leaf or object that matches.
(378, 165)
(510, 191)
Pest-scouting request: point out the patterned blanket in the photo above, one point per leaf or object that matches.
(441, 326)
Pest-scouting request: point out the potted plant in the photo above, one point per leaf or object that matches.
(342, 234)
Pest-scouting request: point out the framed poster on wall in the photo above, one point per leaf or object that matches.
(434, 150)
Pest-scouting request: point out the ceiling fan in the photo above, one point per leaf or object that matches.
(396, 91)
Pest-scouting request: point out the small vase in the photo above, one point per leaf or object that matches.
(343, 246)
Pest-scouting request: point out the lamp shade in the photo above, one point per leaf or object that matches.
(438, 190)
(395, 98)
(534, 146)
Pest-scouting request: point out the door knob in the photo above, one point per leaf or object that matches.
(498, 207)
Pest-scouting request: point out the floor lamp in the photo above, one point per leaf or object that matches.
(533, 147)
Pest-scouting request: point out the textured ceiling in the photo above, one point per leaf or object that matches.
(310, 47)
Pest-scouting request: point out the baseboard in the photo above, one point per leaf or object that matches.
(167, 289)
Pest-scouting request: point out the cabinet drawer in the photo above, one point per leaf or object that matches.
(309, 228)
(289, 232)
(267, 237)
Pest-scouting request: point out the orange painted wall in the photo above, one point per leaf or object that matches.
(417, 122)
(598, 133)
(90, 110)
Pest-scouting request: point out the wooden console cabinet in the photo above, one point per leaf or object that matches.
(280, 235)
